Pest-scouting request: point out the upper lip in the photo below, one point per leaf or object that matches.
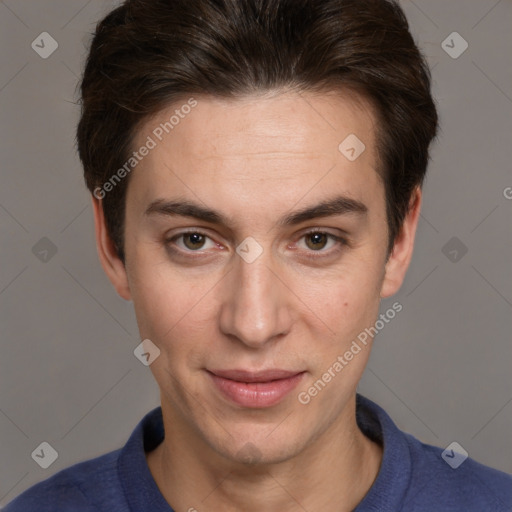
(260, 376)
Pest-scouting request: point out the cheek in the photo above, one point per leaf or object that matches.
(164, 305)
(361, 306)
(157, 297)
(174, 308)
(344, 300)
(171, 314)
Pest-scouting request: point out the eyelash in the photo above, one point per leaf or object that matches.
(340, 242)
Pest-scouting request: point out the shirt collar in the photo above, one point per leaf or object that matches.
(390, 487)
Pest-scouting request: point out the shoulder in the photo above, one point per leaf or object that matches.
(418, 477)
(451, 481)
(88, 486)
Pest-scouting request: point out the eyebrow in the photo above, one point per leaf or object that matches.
(340, 205)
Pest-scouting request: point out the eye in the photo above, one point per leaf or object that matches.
(192, 241)
(318, 241)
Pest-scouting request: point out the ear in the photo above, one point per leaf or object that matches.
(110, 261)
(400, 257)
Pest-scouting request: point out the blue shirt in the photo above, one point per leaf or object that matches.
(413, 476)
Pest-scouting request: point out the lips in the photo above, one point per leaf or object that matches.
(261, 376)
(255, 389)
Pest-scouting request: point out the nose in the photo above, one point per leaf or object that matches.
(256, 303)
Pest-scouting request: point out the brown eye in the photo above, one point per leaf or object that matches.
(193, 241)
(190, 241)
(319, 244)
(316, 241)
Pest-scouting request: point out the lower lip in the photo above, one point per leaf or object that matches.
(256, 394)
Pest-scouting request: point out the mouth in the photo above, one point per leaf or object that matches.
(255, 389)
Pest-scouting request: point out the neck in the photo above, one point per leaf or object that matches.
(333, 473)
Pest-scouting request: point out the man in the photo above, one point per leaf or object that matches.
(256, 170)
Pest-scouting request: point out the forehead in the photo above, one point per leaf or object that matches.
(306, 120)
(273, 145)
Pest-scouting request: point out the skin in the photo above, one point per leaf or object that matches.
(255, 160)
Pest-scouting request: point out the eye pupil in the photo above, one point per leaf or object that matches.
(318, 240)
(196, 239)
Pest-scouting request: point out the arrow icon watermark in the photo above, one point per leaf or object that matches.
(249, 249)
(45, 455)
(351, 147)
(44, 45)
(454, 455)
(146, 352)
(454, 45)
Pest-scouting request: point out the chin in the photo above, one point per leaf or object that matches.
(252, 452)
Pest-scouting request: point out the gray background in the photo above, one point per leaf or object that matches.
(68, 375)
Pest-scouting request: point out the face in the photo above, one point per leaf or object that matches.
(253, 243)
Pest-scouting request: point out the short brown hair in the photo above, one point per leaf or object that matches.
(147, 54)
